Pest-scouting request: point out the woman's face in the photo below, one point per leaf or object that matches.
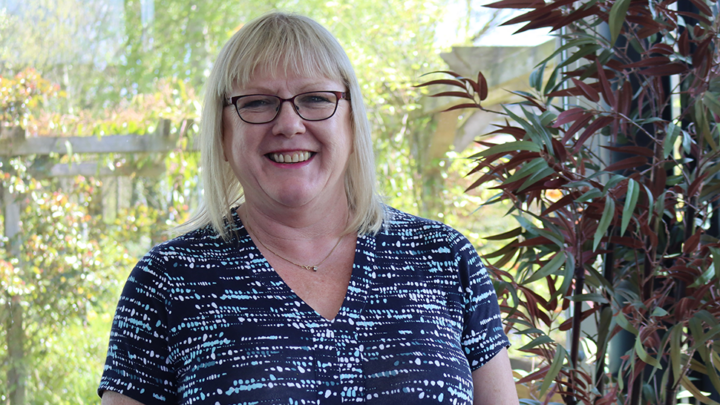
(321, 147)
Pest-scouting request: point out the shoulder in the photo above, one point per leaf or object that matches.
(199, 243)
(403, 226)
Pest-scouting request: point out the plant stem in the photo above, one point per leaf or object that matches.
(577, 322)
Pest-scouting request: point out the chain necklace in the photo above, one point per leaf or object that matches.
(304, 266)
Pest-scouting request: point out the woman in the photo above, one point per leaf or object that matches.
(294, 283)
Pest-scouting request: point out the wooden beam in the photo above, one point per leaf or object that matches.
(88, 144)
(93, 169)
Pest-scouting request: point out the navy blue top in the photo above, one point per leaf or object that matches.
(204, 321)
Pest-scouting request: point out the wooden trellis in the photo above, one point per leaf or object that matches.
(14, 143)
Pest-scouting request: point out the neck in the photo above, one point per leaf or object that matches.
(296, 223)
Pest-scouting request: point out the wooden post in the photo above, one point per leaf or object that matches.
(15, 336)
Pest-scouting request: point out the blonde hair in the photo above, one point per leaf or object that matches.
(284, 43)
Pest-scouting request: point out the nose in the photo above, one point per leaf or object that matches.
(288, 122)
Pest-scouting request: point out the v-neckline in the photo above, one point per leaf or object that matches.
(355, 293)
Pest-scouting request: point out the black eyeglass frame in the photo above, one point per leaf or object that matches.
(340, 95)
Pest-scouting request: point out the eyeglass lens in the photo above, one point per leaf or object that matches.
(261, 108)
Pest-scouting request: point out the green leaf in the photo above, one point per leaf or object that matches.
(536, 77)
(551, 81)
(686, 142)
(651, 202)
(696, 330)
(553, 236)
(555, 367)
(589, 297)
(659, 312)
(548, 269)
(671, 135)
(540, 340)
(530, 330)
(614, 180)
(644, 356)
(618, 13)
(630, 202)
(625, 324)
(508, 147)
(526, 125)
(537, 177)
(526, 224)
(711, 101)
(604, 329)
(540, 129)
(605, 221)
(529, 168)
(568, 272)
(568, 45)
(590, 195)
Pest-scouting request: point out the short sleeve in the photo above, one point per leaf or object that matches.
(483, 336)
(138, 364)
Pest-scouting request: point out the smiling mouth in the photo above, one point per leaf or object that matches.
(295, 157)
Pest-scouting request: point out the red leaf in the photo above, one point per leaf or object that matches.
(569, 116)
(574, 128)
(634, 161)
(658, 187)
(482, 86)
(649, 233)
(461, 106)
(627, 241)
(518, 133)
(634, 150)
(588, 91)
(670, 69)
(536, 376)
(574, 91)
(568, 199)
(701, 53)
(559, 149)
(516, 4)
(695, 185)
(684, 43)
(702, 7)
(607, 91)
(654, 61)
(598, 124)
(448, 82)
(646, 31)
(695, 16)
(589, 256)
(536, 241)
(568, 323)
(664, 49)
(576, 15)
(531, 100)
(453, 94)
(692, 243)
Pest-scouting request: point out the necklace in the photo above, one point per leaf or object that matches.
(304, 266)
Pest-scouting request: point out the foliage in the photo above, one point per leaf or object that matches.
(628, 240)
(22, 94)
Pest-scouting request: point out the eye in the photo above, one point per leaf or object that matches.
(317, 98)
(256, 102)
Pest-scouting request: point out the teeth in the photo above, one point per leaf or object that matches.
(290, 157)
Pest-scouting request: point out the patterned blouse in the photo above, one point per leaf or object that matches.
(204, 321)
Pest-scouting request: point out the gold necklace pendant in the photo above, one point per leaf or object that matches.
(304, 266)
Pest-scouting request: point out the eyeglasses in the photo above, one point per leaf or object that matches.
(263, 108)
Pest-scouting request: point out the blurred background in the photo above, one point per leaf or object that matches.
(99, 107)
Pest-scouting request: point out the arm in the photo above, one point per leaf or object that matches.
(493, 383)
(113, 398)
